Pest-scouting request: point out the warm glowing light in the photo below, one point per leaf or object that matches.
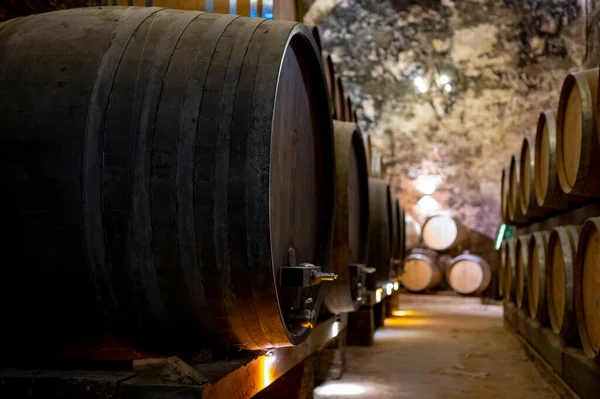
(427, 205)
(420, 84)
(401, 313)
(444, 79)
(340, 389)
(396, 286)
(335, 329)
(268, 360)
(427, 184)
(389, 288)
(448, 87)
(500, 236)
(378, 295)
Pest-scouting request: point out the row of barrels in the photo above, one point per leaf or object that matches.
(174, 179)
(466, 274)
(556, 168)
(554, 276)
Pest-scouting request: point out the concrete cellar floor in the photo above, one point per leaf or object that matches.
(437, 347)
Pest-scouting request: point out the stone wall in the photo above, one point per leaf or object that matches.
(504, 60)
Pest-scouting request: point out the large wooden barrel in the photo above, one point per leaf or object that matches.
(521, 267)
(395, 244)
(380, 230)
(277, 9)
(548, 193)
(587, 287)
(351, 219)
(527, 200)
(162, 187)
(348, 108)
(368, 150)
(402, 234)
(536, 275)
(510, 270)
(442, 232)
(329, 74)
(469, 274)
(421, 272)
(577, 147)
(338, 98)
(314, 29)
(502, 268)
(560, 281)
(504, 196)
(514, 209)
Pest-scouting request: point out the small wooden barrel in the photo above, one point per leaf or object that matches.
(469, 274)
(548, 193)
(421, 272)
(514, 209)
(377, 168)
(504, 182)
(351, 218)
(380, 219)
(521, 259)
(338, 98)
(587, 287)
(536, 275)
(329, 78)
(510, 270)
(577, 148)
(560, 281)
(527, 201)
(442, 232)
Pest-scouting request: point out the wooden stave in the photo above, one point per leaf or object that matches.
(567, 237)
(526, 197)
(341, 295)
(586, 185)
(436, 273)
(510, 272)
(485, 267)
(378, 249)
(539, 240)
(513, 208)
(521, 268)
(554, 198)
(590, 225)
(180, 20)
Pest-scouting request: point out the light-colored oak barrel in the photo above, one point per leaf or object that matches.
(515, 214)
(329, 78)
(548, 193)
(338, 98)
(421, 272)
(521, 271)
(442, 232)
(587, 287)
(560, 281)
(380, 231)
(169, 187)
(276, 9)
(577, 147)
(469, 274)
(527, 201)
(510, 270)
(504, 182)
(377, 168)
(413, 232)
(351, 219)
(537, 262)
(368, 150)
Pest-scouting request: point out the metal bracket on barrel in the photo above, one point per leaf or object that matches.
(304, 275)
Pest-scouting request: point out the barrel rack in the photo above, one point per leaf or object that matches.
(244, 377)
(578, 371)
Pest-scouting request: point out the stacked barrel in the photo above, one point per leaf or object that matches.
(552, 268)
(163, 190)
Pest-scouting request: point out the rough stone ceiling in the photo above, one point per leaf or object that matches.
(449, 89)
